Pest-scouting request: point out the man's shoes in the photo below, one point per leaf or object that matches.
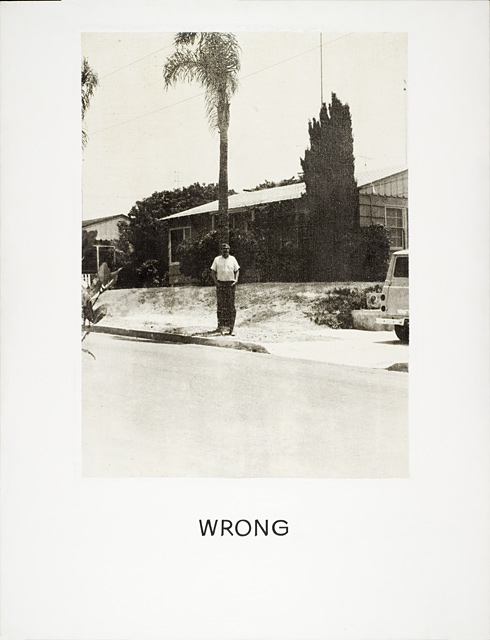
(232, 333)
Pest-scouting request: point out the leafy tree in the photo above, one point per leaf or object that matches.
(211, 59)
(90, 82)
(165, 203)
(89, 253)
(331, 190)
(143, 242)
(89, 239)
(267, 184)
(140, 241)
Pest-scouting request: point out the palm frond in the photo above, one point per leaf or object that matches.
(90, 82)
(184, 39)
(213, 61)
(181, 65)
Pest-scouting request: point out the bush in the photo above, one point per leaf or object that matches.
(142, 251)
(335, 309)
(368, 251)
(149, 274)
(362, 255)
(196, 257)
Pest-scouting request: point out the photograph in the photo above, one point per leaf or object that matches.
(245, 239)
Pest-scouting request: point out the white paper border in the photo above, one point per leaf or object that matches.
(114, 559)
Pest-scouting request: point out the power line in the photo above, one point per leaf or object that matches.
(321, 68)
(172, 44)
(144, 115)
(298, 55)
(135, 61)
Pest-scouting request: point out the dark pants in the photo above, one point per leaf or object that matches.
(225, 294)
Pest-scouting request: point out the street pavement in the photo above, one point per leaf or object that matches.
(185, 410)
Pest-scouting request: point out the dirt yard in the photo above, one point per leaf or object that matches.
(266, 312)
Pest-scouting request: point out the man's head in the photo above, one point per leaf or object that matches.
(225, 250)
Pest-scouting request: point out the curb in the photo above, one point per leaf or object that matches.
(159, 336)
(398, 366)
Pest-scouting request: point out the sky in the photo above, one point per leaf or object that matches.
(143, 138)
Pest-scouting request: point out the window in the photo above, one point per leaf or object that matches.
(96, 255)
(176, 236)
(395, 228)
(401, 267)
(107, 253)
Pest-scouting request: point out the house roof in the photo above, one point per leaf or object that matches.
(248, 199)
(368, 177)
(86, 223)
(279, 194)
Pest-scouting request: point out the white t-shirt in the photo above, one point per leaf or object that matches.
(225, 268)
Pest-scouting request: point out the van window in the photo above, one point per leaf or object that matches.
(401, 267)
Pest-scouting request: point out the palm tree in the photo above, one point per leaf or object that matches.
(90, 81)
(212, 60)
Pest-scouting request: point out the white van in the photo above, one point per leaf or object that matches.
(394, 297)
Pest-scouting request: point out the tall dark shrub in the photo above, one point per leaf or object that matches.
(278, 254)
(368, 251)
(374, 253)
(331, 190)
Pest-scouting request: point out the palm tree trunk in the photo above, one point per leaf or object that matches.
(223, 221)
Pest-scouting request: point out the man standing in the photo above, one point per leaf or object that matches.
(224, 272)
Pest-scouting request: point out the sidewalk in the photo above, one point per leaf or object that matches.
(349, 347)
(272, 318)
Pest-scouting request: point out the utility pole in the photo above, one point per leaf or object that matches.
(321, 70)
(406, 120)
(177, 180)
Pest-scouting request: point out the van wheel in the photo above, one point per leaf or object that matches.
(401, 332)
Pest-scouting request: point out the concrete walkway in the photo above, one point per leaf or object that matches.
(350, 347)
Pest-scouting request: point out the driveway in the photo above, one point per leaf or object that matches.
(351, 347)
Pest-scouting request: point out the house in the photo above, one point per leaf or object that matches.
(383, 199)
(289, 211)
(104, 249)
(107, 227)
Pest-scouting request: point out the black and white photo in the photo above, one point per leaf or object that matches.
(284, 154)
